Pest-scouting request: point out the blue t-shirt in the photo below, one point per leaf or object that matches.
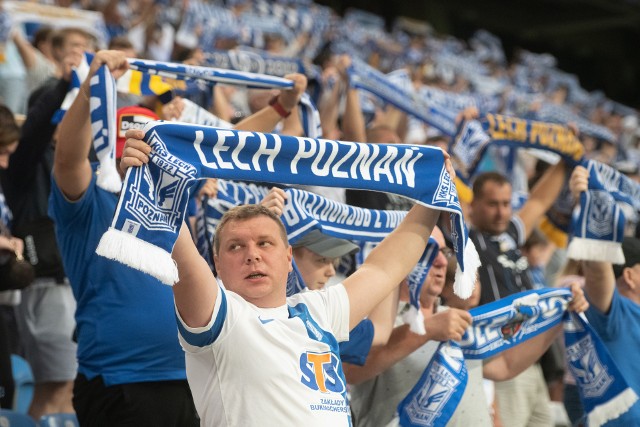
(620, 333)
(126, 326)
(356, 350)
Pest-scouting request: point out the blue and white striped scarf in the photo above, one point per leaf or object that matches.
(214, 75)
(362, 76)
(102, 106)
(78, 75)
(503, 324)
(253, 61)
(305, 212)
(309, 114)
(152, 204)
(132, 82)
(598, 222)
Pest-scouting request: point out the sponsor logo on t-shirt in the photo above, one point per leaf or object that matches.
(320, 372)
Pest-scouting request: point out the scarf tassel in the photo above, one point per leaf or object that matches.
(465, 281)
(138, 254)
(612, 409)
(595, 250)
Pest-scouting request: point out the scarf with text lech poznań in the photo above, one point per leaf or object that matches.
(503, 324)
(598, 222)
(304, 212)
(474, 136)
(362, 76)
(152, 204)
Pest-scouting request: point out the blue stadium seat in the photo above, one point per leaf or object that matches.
(10, 418)
(59, 420)
(23, 379)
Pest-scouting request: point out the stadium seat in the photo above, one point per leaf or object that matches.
(10, 418)
(59, 420)
(23, 379)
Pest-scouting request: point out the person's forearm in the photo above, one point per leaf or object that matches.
(26, 51)
(402, 343)
(195, 292)
(514, 361)
(390, 262)
(599, 284)
(73, 141)
(383, 317)
(263, 121)
(353, 126)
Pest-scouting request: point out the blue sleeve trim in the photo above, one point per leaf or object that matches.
(207, 337)
(356, 350)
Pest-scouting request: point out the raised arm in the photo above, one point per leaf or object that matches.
(267, 118)
(542, 196)
(353, 125)
(383, 317)
(196, 291)
(600, 281)
(390, 262)
(71, 167)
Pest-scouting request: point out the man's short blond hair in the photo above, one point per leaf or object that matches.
(243, 213)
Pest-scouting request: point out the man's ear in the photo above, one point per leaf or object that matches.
(630, 279)
(216, 264)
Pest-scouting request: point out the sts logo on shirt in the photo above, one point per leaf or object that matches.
(320, 372)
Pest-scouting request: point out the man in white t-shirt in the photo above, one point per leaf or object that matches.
(254, 356)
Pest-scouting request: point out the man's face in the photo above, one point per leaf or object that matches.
(438, 272)
(254, 261)
(491, 210)
(315, 269)
(75, 43)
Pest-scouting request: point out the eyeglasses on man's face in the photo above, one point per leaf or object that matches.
(447, 252)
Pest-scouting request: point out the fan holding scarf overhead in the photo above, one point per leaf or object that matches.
(82, 210)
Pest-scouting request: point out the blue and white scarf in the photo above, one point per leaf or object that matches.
(304, 212)
(152, 204)
(362, 76)
(474, 136)
(307, 211)
(253, 61)
(598, 222)
(132, 82)
(214, 75)
(78, 75)
(503, 324)
(309, 114)
(102, 106)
